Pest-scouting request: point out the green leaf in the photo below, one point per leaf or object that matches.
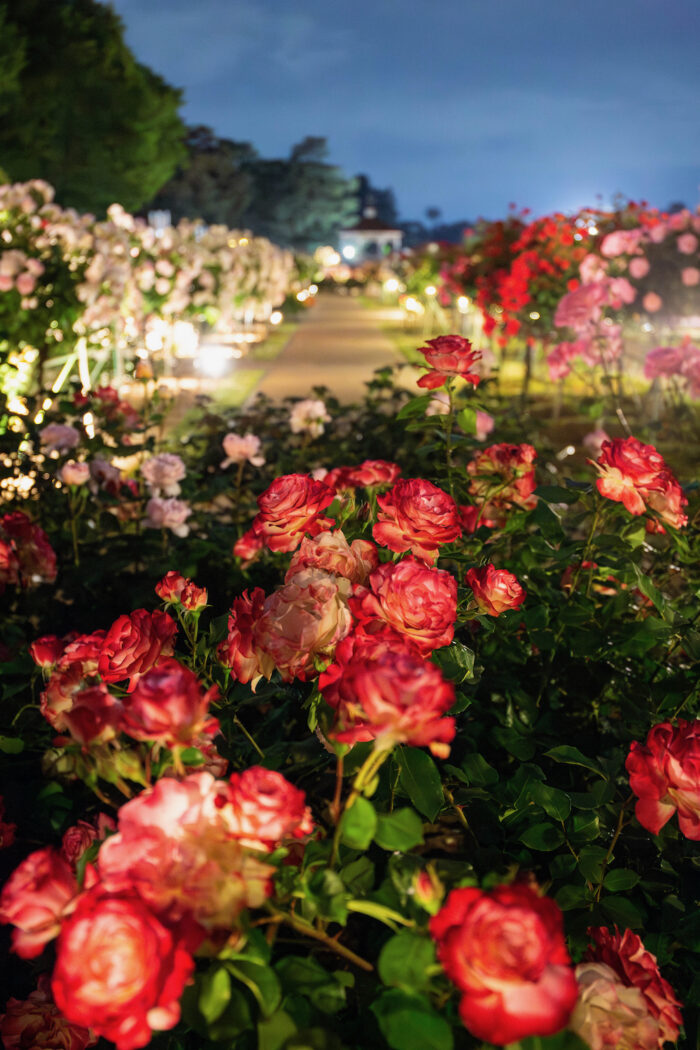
(405, 961)
(305, 976)
(571, 756)
(421, 781)
(649, 590)
(623, 912)
(565, 1040)
(262, 982)
(407, 1022)
(554, 802)
(274, 1032)
(478, 771)
(544, 836)
(456, 662)
(557, 494)
(415, 407)
(214, 994)
(11, 745)
(620, 879)
(400, 830)
(518, 745)
(586, 827)
(358, 824)
(570, 897)
(358, 875)
(591, 862)
(466, 420)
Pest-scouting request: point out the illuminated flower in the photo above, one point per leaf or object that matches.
(449, 356)
(308, 417)
(290, 508)
(72, 473)
(134, 644)
(331, 552)
(162, 474)
(35, 900)
(416, 516)
(495, 590)
(239, 449)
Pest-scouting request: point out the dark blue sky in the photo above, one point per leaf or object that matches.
(462, 104)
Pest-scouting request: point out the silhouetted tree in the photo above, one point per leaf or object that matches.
(81, 111)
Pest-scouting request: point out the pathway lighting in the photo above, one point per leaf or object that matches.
(463, 304)
(431, 290)
(276, 317)
(349, 251)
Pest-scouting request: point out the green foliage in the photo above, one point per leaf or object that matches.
(86, 116)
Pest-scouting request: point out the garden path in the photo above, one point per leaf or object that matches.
(338, 344)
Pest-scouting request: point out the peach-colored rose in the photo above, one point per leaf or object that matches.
(484, 425)
(331, 552)
(308, 417)
(303, 621)
(609, 1014)
(652, 302)
(690, 276)
(35, 900)
(175, 848)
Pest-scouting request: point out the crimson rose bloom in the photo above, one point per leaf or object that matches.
(637, 476)
(248, 546)
(175, 589)
(414, 599)
(36, 1023)
(36, 897)
(495, 590)
(239, 652)
(506, 953)
(9, 565)
(35, 556)
(665, 777)
(47, 650)
(264, 810)
(169, 705)
(383, 690)
(416, 516)
(637, 968)
(447, 356)
(134, 643)
(119, 970)
(291, 507)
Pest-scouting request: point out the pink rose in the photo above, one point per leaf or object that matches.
(663, 361)
(639, 268)
(687, 244)
(690, 276)
(264, 810)
(239, 449)
(59, 437)
(484, 425)
(26, 284)
(168, 514)
(609, 1013)
(72, 473)
(162, 474)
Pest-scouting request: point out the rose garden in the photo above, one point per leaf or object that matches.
(364, 725)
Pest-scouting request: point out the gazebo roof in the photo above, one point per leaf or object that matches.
(367, 225)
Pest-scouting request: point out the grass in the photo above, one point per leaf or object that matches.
(275, 343)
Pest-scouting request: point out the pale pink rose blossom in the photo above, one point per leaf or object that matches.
(621, 291)
(687, 243)
(162, 286)
(6, 282)
(25, 284)
(619, 242)
(593, 442)
(579, 308)
(658, 233)
(690, 276)
(484, 425)
(652, 302)
(59, 437)
(239, 449)
(168, 514)
(72, 473)
(610, 1014)
(308, 417)
(639, 268)
(591, 269)
(162, 473)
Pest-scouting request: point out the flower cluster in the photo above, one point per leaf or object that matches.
(501, 477)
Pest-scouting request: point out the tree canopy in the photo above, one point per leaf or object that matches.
(77, 108)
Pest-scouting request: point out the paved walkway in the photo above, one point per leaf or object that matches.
(338, 344)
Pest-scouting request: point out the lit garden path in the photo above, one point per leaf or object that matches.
(338, 344)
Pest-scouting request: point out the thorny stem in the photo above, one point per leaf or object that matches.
(318, 935)
(246, 734)
(618, 832)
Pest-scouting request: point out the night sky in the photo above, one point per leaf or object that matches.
(465, 105)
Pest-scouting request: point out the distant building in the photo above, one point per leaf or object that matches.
(370, 239)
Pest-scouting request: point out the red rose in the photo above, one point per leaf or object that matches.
(35, 899)
(447, 356)
(79, 837)
(495, 590)
(47, 650)
(84, 649)
(134, 643)
(637, 476)
(7, 830)
(248, 546)
(119, 970)
(9, 565)
(372, 473)
(417, 601)
(291, 507)
(637, 968)
(502, 476)
(239, 651)
(36, 1023)
(382, 690)
(506, 953)
(35, 555)
(665, 777)
(416, 515)
(169, 705)
(175, 589)
(264, 810)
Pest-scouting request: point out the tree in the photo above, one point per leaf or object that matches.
(87, 117)
(213, 184)
(301, 202)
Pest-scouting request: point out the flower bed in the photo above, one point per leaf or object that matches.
(340, 729)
